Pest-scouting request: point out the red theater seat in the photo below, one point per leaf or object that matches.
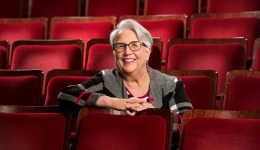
(200, 86)
(31, 128)
(155, 59)
(164, 26)
(84, 28)
(232, 6)
(21, 87)
(98, 128)
(22, 29)
(167, 7)
(50, 8)
(4, 54)
(115, 8)
(256, 55)
(99, 55)
(56, 80)
(218, 129)
(221, 55)
(47, 55)
(11, 8)
(229, 25)
(242, 90)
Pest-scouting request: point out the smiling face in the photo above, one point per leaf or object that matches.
(129, 61)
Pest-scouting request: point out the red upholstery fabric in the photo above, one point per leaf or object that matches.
(243, 94)
(18, 90)
(2, 58)
(117, 132)
(57, 83)
(219, 104)
(101, 57)
(154, 57)
(84, 31)
(46, 57)
(162, 7)
(219, 57)
(227, 28)
(31, 131)
(257, 60)
(21, 31)
(116, 8)
(198, 90)
(50, 8)
(233, 6)
(165, 29)
(226, 134)
(10, 9)
(73, 134)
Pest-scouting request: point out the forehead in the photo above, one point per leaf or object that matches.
(127, 36)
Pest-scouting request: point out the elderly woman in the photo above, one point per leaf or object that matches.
(132, 86)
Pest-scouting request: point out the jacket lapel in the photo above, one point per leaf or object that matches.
(155, 90)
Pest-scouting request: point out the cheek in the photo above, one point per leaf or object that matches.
(117, 58)
(147, 56)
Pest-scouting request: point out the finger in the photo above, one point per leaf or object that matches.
(135, 105)
(145, 106)
(130, 113)
(140, 109)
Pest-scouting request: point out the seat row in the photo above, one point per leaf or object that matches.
(34, 8)
(98, 128)
(203, 26)
(24, 87)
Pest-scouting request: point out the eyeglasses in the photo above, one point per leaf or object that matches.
(134, 46)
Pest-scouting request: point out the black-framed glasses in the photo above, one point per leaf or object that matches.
(134, 46)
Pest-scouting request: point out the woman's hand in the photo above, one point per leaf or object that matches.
(129, 106)
(120, 104)
(114, 103)
(136, 105)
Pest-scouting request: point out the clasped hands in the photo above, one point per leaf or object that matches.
(132, 105)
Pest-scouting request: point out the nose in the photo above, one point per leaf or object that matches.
(127, 51)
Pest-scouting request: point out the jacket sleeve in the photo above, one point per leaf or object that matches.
(87, 93)
(178, 103)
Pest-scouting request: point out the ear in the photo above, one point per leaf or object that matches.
(148, 52)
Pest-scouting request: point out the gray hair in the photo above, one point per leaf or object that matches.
(141, 32)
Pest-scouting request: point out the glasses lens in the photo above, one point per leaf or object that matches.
(119, 47)
(136, 45)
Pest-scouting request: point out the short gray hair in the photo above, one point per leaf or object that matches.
(141, 32)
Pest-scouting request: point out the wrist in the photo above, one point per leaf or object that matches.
(111, 102)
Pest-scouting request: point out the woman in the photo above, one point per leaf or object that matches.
(132, 86)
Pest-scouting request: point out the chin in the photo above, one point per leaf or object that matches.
(128, 70)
